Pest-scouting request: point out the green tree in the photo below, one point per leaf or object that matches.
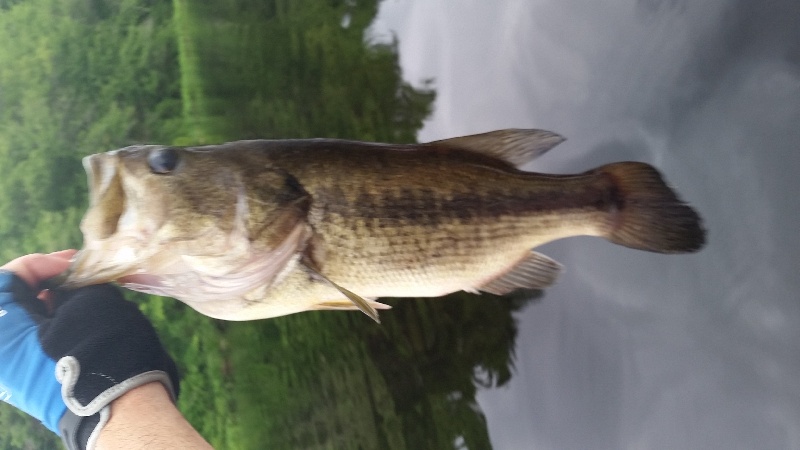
(82, 77)
(76, 77)
(89, 75)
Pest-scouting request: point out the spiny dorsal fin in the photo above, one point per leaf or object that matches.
(515, 146)
(534, 271)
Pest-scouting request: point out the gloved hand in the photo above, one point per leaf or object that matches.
(65, 358)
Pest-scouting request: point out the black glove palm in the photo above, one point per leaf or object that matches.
(104, 347)
(100, 346)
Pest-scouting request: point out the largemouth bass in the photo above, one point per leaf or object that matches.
(263, 228)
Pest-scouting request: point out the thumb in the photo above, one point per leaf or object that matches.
(37, 267)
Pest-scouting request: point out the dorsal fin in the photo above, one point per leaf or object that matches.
(515, 146)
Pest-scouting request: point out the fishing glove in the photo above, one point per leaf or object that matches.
(66, 367)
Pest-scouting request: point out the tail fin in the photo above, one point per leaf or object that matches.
(648, 214)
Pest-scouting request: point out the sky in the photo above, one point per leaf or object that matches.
(636, 350)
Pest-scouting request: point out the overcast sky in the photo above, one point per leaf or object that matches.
(636, 350)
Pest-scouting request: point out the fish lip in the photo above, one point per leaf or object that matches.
(106, 197)
(95, 263)
(90, 164)
(103, 261)
(78, 276)
(102, 168)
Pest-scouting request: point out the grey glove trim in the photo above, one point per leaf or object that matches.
(72, 435)
(68, 370)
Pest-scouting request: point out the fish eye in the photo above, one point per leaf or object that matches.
(163, 160)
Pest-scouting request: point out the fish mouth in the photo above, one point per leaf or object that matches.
(93, 267)
(106, 254)
(106, 196)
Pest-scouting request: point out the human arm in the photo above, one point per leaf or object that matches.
(146, 418)
(105, 352)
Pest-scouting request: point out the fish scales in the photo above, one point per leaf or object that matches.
(255, 229)
(463, 223)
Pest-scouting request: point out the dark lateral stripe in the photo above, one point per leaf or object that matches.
(425, 206)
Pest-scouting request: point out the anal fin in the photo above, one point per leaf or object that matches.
(534, 271)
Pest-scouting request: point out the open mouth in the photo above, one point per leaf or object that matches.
(103, 257)
(106, 196)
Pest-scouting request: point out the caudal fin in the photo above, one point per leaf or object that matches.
(648, 215)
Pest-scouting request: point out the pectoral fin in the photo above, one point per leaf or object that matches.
(357, 300)
(361, 303)
(345, 305)
(534, 271)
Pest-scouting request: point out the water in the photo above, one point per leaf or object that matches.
(633, 350)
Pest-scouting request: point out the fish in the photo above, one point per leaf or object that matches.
(255, 229)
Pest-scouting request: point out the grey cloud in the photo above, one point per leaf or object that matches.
(634, 350)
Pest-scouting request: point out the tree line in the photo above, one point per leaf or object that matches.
(85, 76)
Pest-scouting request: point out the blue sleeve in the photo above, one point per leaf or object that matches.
(27, 374)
